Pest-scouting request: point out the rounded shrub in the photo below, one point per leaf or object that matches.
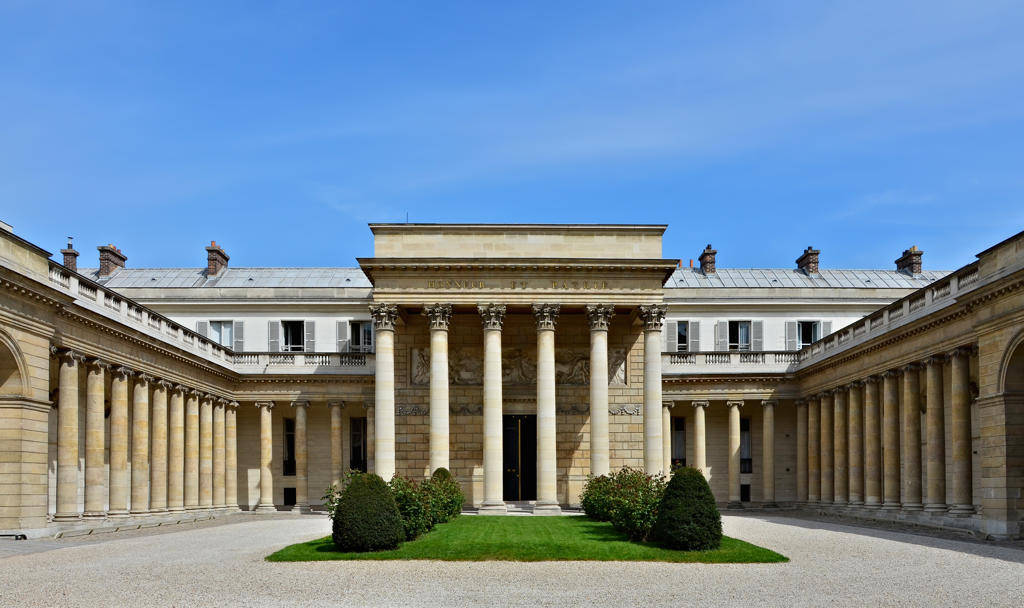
(446, 495)
(688, 518)
(596, 498)
(634, 500)
(366, 517)
(414, 505)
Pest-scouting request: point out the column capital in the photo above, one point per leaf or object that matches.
(823, 395)
(338, 404)
(890, 373)
(384, 316)
(600, 315)
(493, 315)
(300, 403)
(67, 355)
(855, 384)
(164, 385)
(800, 403)
(873, 379)
(233, 405)
(703, 404)
(123, 373)
(440, 315)
(766, 403)
(963, 351)
(193, 392)
(221, 401)
(911, 367)
(546, 315)
(668, 404)
(144, 378)
(179, 388)
(204, 396)
(736, 403)
(98, 365)
(937, 359)
(653, 316)
(266, 404)
(839, 390)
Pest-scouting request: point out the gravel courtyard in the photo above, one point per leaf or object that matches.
(222, 565)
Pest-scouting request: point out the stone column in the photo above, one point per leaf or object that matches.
(768, 458)
(666, 443)
(140, 445)
(231, 456)
(336, 454)
(801, 451)
(734, 454)
(839, 452)
(301, 458)
(158, 461)
(912, 437)
(206, 451)
(95, 471)
(872, 446)
(700, 457)
(547, 455)
(814, 450)
(384, 317)
(493, 316)
(119, 481)
(67, 437)
(827, 451)
(176, 450)
(891, 440)
(599, 316)
(936, 438)
(219, 454)
(440, 316)
(266, 457)
(963, 481)
(653, 316)
(192, 450)
(856, 444)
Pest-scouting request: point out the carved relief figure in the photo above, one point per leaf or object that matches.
(617, 366)
(420, 366)
(518, 367)
(572, 367)
(465, 367)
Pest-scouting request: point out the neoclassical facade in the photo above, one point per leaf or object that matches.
(524, 358)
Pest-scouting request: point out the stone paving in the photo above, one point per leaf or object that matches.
(221, 563)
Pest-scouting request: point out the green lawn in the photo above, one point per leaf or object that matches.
(530, 539)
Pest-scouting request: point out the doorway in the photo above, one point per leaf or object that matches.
(519, 443)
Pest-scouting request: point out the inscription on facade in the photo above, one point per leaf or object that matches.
(563, 284)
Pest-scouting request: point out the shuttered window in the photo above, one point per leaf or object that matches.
(343, 328)
(693, 337)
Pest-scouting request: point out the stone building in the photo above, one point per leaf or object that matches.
(524, 358)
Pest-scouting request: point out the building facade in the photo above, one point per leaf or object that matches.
(524, 358)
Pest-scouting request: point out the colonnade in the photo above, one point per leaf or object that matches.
(849, 440)
(183, 451)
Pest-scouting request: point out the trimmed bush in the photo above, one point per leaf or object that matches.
(634, 501)
(414, 505)
(596, 498)
(366, 517)
(688, 518)
(445, 494)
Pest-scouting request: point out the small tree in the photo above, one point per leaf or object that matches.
(414, 505)
(688, 518)
(445, 494)
(366, 517)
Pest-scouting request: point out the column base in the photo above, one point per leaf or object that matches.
(856, 503)
(117, 514)
(891, 506)
(67, 517)
(734, 504)
(94, 515)
(935, 507)
(493, 509)
(175, 509)
(913, 506)
(266, 508)
(301, 509)
(547, 510)
(872, 505)
(139, 513)
(961, 510)
(770, 505)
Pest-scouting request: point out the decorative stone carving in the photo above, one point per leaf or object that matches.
(769, 403)
(518, 367)
(339, 404)
(123, 373)
(67, 355)
(233, 404)
(572, 408)
(165, 385)
(546, 315)
(301, 403)
(440, 315)
(617, 366)
(653, 316)
(493, 315)
(99, 364)
(411, 410)
(384, 316)
(572, 367)
(467, 410)
(625, 410)
(600, 315)
(734, 403)
(703, 404)
(266, 404)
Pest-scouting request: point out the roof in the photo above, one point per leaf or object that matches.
(784, 277)
(126, 278)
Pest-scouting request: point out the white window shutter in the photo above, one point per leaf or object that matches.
(238, 329)
(693, 337)
(203, 328)
(343, 336)
(274, 336)
(722, 336)
(309, 331)
(792, 343)
(757, 335)
(671, 334)
(826, 328)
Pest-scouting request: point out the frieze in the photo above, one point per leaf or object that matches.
(625, 410)
(467, 410)
(411, 410)
(518, 367)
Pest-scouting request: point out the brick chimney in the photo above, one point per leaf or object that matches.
(808, 261)
(111, 259)
(70, 257)
(216, 259)
(707, 260)
(910, 261)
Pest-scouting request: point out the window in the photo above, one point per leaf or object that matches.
(682, 343)
(220, 332)
(357, 457)
(294, 338)
(678, 442)
(739, 335)
(809, 332)
(362, 337)
(289, 446)
(746, 459)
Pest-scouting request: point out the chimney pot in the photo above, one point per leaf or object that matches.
(808, 261)
(70, 257)
(910, 261)
(707, 260)
(111, 259)
(216, 259)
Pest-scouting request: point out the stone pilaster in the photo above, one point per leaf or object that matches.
(912, 437)
(814, 450)
(801, 451)
(176, 450)
(734, 454)
(67, 436)
(599, 317)
(855, 410)
(95, 469)
(266, 457)
(158, 460)
(840, 455)
(547, 454)
(890, 441)
(963, 473)
(140, 445)
(384, 318)
(666, 444)
(827, 450)
(936, 436)
(493, 316)
(440, 316)
(700, 456)
(119, 480)
(768, 458)
(220, 454)
(206, 451)
(336, 434)
(301, 457)
(231, 456)
(653, 316)
(872, 445)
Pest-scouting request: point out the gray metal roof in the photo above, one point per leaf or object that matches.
(126, 278)
(783, 277)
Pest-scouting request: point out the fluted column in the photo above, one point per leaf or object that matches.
(493, 317)
(856, 444)
(891, 440)
(768, 458)
(814, 450)
(231, 456)
(140, 445)
(176, 450)
(872, 445)
(666, 443)
(700, 457)
(206, 452)
(219, 454)
(734, 454)
(119, 480)
(936, 436)
(158, 460)
(336, 455)
(963, 473)
(912, 437)
(192, 450)
(599, 316)
(266, 457)
(95, 471)
(801, 451)
(547, 456)
(439, 316)
(827, 451)
(67, 437)
(841, 480)
(384, 317)
(653, 316)
(301, 457)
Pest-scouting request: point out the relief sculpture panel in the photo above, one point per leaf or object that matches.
(518, 366)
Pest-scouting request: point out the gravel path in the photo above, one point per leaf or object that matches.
(223, 566)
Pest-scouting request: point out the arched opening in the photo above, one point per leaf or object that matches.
(1013, 375)
(1013, 400)
(12, 382)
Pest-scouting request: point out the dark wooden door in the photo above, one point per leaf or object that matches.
(520, 457)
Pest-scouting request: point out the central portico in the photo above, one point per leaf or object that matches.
(544, 332)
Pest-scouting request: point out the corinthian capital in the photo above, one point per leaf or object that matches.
(653, 316)
(547, 316)
(384, 316)
(493, 315)
(600, 315)
(440, 315)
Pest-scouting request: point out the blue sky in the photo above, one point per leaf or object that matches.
(281, 130)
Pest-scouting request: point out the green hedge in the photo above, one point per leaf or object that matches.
(688, 518)
(628, 498)
(414, 505)
(366, 517)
